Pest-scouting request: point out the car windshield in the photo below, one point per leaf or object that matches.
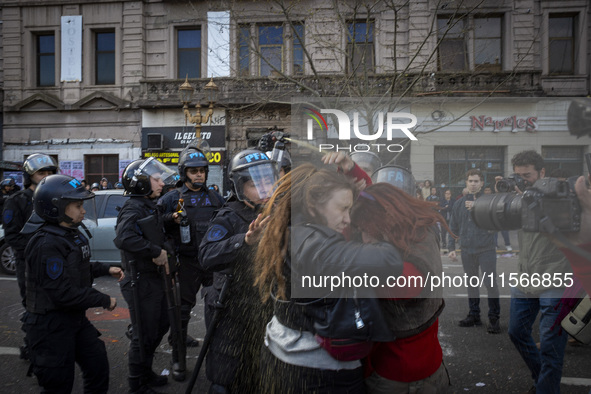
(114, 203)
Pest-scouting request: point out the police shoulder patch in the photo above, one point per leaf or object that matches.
(7, 217)
(55, 267)
(216, 232)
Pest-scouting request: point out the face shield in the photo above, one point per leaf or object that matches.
(368, 161)
(157, 170)
(396, 176)
(256, 183)
(91, 215)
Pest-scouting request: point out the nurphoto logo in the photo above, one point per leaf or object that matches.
(317, 126)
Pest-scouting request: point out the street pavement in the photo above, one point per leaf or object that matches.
(478, 362)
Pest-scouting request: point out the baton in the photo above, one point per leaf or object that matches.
(136, 308)
(174, 315)
(219, 306)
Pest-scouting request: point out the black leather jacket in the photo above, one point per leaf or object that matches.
(317, 251)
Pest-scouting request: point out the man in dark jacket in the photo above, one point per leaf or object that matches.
(187, 212)
(232, 362)
(59, 291)
(478, 253)
(143, 181)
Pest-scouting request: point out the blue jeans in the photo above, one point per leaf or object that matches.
(545, 364)
(487, 262)
(505, 235)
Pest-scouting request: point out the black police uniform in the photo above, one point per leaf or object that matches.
(3, 198)
(153, 307)
(59, 291)
(17, 210)
(200, 207)
(233, 357)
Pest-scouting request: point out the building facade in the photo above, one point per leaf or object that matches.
(95, 83)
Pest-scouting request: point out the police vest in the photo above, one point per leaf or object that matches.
(200, 207)
(74, 249)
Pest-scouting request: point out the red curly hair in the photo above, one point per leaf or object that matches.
(387, 213)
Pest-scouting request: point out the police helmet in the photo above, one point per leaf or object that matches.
(7, 182)
(54, 193)
(38, 162)
(397, 176)
(136, 176)
(255, 165)
(368, 161)
(95, 186)
(192, 157)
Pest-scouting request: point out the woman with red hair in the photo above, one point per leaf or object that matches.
(414, 361)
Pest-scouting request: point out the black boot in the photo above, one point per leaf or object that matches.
(178, 368)
(155, 380)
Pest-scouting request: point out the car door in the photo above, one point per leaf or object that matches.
(103, 248)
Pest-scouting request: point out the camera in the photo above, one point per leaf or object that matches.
(508, 184)
(547, 205)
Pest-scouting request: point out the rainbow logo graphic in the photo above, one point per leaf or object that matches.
(317, 117)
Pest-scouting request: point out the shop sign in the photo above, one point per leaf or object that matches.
(512, 123)
(179, 137)
(172, 158)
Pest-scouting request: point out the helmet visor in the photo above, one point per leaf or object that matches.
(91, 216)
(396, 176)
(257, 182)
(157, 170)
(369, 162)
(39, 161)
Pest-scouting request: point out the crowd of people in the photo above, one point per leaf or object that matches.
(249, 255)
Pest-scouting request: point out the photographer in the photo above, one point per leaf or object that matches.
(538, 256)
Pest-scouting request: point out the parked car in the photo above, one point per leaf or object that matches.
(7, 258)
(102, 229)
(107, 202)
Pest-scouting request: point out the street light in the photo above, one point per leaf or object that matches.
(186, 93)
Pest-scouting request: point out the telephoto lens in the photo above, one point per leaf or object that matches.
(501, 211)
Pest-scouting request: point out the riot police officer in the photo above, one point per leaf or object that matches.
(187, 212)
(59, 291)
(19, 207)
(143, 181)
(232, 361)
(7, 189)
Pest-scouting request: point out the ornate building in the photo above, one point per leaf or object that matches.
(96, 83)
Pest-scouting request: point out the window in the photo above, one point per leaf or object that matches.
(360, 47)
(45, 59)
(298, 49)
(568, 158)
(270, 49)
(452, 44)
(114, 203)
(101, 166)
(487, 43)
(105, 58)
(452, 163)
(189, 53)
(244, 51)
(561, 37)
